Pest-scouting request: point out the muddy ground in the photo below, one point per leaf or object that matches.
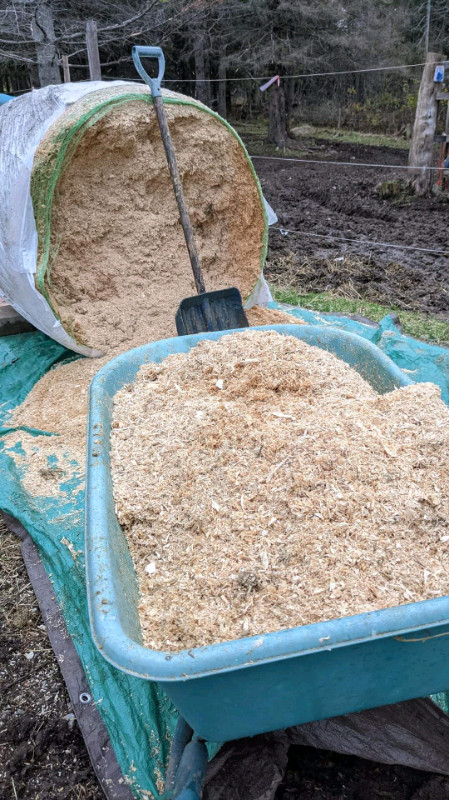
(42, 751)
(343, 201)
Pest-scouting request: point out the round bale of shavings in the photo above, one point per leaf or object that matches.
(112, 260)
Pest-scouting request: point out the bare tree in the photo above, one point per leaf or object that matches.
(215, 43)
(37, 33)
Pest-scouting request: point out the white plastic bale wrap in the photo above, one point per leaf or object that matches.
(23, 123)
(261, 295)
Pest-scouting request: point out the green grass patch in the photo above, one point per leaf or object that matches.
(357, 137)
(416, 324)
(260, 147)
(259, 128)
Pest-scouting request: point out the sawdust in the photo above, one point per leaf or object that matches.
(49, 467)
(52, 466)
(258, 315)
(58, 404)
(120, 265)
(263, 484)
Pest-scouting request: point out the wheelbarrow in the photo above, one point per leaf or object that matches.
(261, 683)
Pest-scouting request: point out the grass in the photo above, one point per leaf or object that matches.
(416, 324)
(259, 128)
(357, 137)
(260, 147)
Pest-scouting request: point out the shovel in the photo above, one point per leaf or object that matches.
(207, 311)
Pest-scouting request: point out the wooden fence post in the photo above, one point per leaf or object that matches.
(93, 53)
(421, 148)
(65, 68)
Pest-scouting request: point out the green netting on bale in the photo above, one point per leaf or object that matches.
(58, 148)
(138, 716)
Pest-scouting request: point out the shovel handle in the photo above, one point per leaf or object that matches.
(155, 86)
(140, 51)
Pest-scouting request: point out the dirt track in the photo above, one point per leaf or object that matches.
(343, 202)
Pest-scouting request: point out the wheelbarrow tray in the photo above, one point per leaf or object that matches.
(266, 682)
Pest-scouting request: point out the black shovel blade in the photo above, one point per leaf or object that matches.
(211, 311)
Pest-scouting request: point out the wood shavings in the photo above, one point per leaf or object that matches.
(119, 265)
(330, 500)
(58, 404)
(46, 467)
(53, 466)
(258, 315)
(70, 547)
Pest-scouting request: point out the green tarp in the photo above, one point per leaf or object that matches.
(138, 716)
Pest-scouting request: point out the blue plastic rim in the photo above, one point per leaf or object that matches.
(111, 582)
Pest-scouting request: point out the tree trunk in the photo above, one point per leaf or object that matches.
(34, 76)
(290, 97)
(43, 33)
(222, 87)
(202, 90)
(421, 148)
(277, 117)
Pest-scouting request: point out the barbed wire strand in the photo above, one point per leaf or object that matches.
(345, 163)
(329, 236)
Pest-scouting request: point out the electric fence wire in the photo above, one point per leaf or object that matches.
(257, 78)
(307, 74)
(364, 242)
(345, 163)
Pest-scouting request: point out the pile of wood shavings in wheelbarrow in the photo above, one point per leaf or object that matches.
(58, 404)
(263, 484)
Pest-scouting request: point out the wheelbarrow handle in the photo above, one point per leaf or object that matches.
(140, 51)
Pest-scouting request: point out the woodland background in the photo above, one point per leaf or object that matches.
(241, 42)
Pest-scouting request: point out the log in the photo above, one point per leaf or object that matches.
(420, 178)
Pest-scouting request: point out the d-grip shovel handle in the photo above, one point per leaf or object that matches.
(138, 52)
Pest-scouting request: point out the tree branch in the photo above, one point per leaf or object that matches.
(15, 57)
(117, 25)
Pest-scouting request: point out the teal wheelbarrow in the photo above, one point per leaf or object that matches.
(260, 683)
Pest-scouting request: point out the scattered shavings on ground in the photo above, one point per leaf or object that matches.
(53, 466)
(258, 315)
